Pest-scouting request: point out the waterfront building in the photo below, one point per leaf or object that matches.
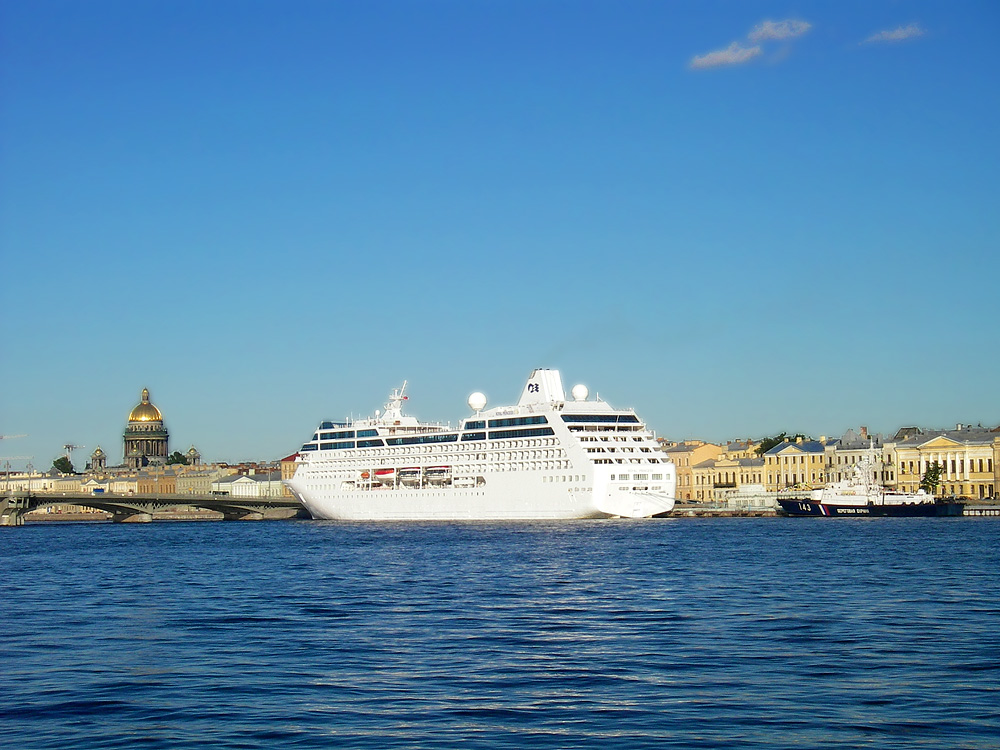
(685, 456)
(717, 478)
(94, 485)
(198, 480)
(794, 464)
(288, 466)
(156, 481)
(742, 449)
(267, 484)
(709, 472)
(843, 455)
(969, 458)
(146, 438)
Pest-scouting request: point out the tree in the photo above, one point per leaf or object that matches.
(931, 479)
(176, 458)
(63, 465)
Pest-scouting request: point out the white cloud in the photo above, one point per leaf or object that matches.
(896, 35)
(778, 30)
(734, 54)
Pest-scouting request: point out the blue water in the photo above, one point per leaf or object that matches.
(736, 633)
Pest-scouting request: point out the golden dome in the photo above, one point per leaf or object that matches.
(145, 411)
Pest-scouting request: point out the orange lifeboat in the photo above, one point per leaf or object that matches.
(385, 476)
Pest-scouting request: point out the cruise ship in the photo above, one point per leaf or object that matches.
(545, 457)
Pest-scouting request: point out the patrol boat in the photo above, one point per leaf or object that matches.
(545, 457)
(861, 495)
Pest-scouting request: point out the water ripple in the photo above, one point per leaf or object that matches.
(750, 633)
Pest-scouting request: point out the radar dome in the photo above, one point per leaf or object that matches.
(580, 392)
(477, 401)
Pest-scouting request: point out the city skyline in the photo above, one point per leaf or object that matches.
(116, 458)
(736, 218)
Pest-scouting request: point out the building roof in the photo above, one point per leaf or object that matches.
(852, 440)
(964, 435)
(806, 446)
(145, 411)
(272, 476)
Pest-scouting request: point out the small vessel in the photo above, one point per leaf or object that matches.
(861, 495)
(410, 476)
(544, 457)
(437, 474)
(385, 476)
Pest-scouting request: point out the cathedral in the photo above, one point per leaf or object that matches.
(146, 443)
(145, 436)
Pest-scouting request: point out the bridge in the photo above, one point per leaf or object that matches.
(140, 508)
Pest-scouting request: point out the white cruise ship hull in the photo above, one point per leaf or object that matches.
(545, 458)
(502, 499)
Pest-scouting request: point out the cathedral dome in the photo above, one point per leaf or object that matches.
(145, 411)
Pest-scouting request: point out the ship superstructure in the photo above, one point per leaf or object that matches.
(545, 457)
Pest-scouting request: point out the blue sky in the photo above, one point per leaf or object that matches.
(737, 217)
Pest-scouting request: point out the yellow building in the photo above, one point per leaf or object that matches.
(717, 478)
(742, 449)
(796, 464)
(156, 481)
(968, 457)
(686, 456)
(288, 467)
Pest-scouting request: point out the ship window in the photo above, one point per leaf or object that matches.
(336, 446)
(367, 433)
(518, 421)
(337, 435)
(479, 424)
(310, 447)
(422, 439)
(474, 436)
(505, 434)
(370, 443)
(602, 418)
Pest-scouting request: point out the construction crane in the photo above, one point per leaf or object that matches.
(69, 448)
(8, 437)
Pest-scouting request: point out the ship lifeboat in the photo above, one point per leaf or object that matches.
(438, 474)
(385, 476)
(409, 476)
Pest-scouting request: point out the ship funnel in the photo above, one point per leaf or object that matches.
(543, 387)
